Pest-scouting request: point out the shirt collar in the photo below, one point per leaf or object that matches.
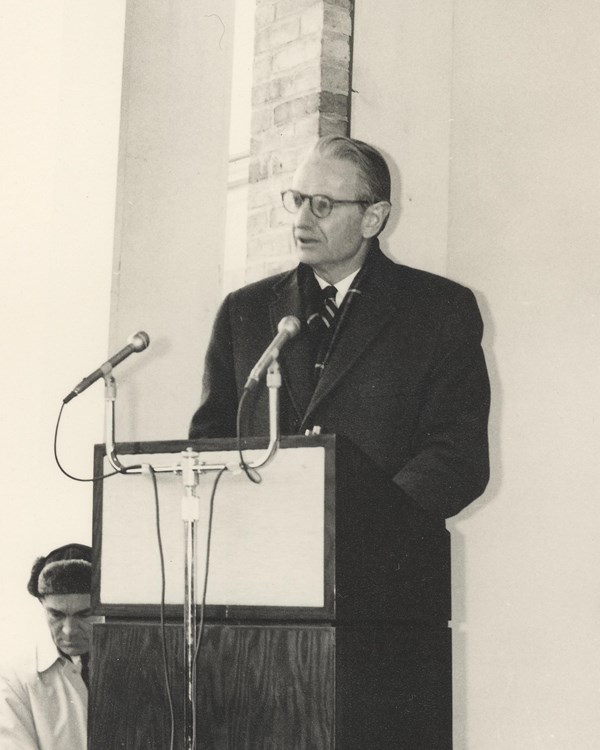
(341, 286)
(47, 654)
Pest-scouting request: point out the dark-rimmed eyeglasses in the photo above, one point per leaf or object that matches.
(320, 205)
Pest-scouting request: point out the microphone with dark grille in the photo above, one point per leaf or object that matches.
(137, 342)
(288, 328)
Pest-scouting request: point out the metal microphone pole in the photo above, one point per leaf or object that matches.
(190, 514)
(190, 469)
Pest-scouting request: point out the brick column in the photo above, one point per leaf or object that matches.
(301, 90)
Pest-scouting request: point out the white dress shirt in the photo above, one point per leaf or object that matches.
(341, 286)
(43, 702)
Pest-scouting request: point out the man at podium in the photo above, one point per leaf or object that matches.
(389, 358)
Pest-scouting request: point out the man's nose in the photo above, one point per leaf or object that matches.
(304, 216)
(69, 625)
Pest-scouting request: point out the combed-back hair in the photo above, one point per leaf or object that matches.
(371, 165)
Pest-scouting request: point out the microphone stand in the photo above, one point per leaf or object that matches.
(190, 469)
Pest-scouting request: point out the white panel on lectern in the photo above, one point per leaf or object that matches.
(267, 546)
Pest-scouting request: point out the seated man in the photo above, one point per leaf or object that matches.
(43, 697)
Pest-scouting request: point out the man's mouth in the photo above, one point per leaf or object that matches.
(305, 241)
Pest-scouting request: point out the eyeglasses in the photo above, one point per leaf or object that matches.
(320, 205)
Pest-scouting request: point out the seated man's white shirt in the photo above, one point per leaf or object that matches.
(43, 701)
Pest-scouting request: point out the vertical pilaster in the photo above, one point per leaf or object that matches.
(301, 90)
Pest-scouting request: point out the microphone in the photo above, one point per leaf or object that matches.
(137, 342)
(288, 327)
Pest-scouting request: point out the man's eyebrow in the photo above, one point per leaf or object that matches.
(59, 613)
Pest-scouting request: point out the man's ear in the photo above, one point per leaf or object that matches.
(375, 218)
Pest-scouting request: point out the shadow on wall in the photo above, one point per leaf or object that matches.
(459, 541)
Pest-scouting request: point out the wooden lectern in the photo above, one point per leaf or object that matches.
(327, 607)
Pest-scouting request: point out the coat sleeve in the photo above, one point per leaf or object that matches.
(216, 415)
(449, 465)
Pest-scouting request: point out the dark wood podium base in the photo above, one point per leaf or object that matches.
(276, 687)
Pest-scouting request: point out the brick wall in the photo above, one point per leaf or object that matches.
(301, 90)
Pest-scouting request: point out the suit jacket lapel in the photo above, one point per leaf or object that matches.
(371, 311)
(296, 356)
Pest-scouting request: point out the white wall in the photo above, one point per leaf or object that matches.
(60, 94)
(401, 79)
(170, 227)
(521, 197)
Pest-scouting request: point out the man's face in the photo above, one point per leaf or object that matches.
(70, 622)
(334, 246)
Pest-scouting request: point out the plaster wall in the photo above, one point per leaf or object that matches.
(60, 90)
(489, 110)
(171, 203)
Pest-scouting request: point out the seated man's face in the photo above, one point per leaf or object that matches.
(70, 622)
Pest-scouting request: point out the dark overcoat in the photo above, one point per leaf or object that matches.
(405, 382)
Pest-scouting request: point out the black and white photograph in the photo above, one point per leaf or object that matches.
(301, 380)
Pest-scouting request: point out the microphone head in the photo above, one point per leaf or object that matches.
(138, 341)
(290, 325)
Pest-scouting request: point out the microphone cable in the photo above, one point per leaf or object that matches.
(69, 475)
(200, 631)
(251, 473)
(163, 583)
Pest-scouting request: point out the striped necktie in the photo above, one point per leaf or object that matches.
(329, 308)
(322, 321)
(322, 324)
(85, 669)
